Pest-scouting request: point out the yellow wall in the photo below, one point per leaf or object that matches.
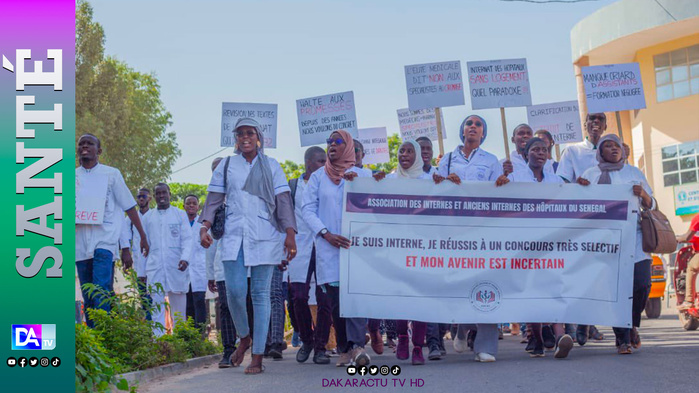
(662, 124)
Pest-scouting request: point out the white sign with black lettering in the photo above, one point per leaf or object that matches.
(561, 119)
(613, 87)
(499, 83)
(265, 114)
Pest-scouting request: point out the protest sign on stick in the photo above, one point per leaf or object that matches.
(499, 84)
(434, 85)
(264, 114)
(561, 119)
(375, 141)
(90, 199)
(415, 124)
(320, 116)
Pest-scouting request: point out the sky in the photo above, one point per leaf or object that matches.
(208, 52)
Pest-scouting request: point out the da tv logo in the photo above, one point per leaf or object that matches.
(36, 337)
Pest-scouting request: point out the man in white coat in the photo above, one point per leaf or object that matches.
(196, 295)
(171, 244)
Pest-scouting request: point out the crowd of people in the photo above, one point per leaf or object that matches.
(281, 242)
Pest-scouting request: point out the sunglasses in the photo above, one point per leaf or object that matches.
(337, 141)
(247, 133)
(471, 122)
(142, 196)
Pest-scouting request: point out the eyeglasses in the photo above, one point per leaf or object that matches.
(142, 196)
(471, 122)
(337, 141)
(247, 133)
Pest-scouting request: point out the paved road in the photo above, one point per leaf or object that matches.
(667, 360)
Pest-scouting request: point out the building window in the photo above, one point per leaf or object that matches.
(680, 163)
(677, 73)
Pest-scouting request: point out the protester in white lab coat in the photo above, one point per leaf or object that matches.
(520, 136)
(196, 294)
(171, 244)
(322, 211)
(548, 138)
(612, 169)
(468, 162)
(359, 155)
(96, 245)
(427, 154)
(581, 156)
(536, 155)
(258, 209)
(130, 239)
(301, 271)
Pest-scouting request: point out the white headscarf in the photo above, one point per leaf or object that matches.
(415, 170)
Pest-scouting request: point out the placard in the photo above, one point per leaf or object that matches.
(499, 83)
(686, 199)
(375, 141)
(561, 119)
(613, 87)
(320, 116)
(415, 124)
(265, 114)
(90, 199)
(434, 85)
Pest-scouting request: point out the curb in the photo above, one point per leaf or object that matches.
(168, 369)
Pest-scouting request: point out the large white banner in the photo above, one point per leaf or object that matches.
(264, 114)
(499, 83)
(434, 85)
(561, 119)
(480, 253)
(613, 87)
(320, 116)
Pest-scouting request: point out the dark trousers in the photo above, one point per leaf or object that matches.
(435, 334)
(641, 290)
(196, 307)
(304, 321)
(225, 321)
(328, 300)
(146, 301)
(390, 327)
(286, 292)
(277, 315)
(98, 271)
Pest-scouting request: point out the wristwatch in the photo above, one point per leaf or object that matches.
(323, 232)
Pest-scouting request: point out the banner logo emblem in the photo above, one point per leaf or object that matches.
(485, 296)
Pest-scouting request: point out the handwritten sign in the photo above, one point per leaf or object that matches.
(265, 114)
(90, 199)
(499, 83)
(414, 124)
(434, 85)
(561, 119)
(375, 141)
(613, 87)
(320, 116)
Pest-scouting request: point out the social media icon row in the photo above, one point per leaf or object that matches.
(373, 370)
(33, 362)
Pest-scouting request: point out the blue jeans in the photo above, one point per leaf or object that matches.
(236, 275)
(99, 271)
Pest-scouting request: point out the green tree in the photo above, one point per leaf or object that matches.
(179, 191)
(122, 107)
(292, 169)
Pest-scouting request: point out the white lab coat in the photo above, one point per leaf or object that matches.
(214, 264)
(480, 166)
(576, 159)
(423, 176)
(322, 208)
(298, 267)
(170, 241)
(627, 175)
(247, 216)
(365, 169)
(197, 265)
(132, 239)
(525, 175)
(519, 164)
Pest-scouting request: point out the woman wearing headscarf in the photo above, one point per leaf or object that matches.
(536, 153)
(258, 211)
(469, 162)
(410, 166)
(322, 211)
(612, 169)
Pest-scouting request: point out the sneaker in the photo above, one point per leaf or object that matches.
(418, 359)
(320, 357)
(360, 357)
(530, 345)
(460, 344)
(442, 350)
(581, 334)
(435, 353)
(538, 352)
(635, 338)
(225, 360)
(403, 348)
(303, 353)
(275, 351)
(624, 349)
(595, 334)
(484, 357)
(549, 338)
(344, 360)
(295, 339)
(563, 347)
(376, 342)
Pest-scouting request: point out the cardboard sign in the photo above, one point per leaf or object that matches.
(499, 83)
(90, 199)
(320, 116)
(414, 124)
(375, 141)
(613, 87)
(561, 119)
(265, 114)
(434, 85)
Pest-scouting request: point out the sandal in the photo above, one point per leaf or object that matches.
(248, 369)
(239, 354)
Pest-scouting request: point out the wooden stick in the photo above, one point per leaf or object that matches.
(618, 126)
(504, 133)
(440, 136)
(558, 152)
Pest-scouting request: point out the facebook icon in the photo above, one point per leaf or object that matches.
(33, 337)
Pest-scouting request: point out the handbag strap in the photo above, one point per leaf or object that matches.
(225, 175)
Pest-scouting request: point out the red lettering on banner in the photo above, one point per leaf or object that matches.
(431, 262)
